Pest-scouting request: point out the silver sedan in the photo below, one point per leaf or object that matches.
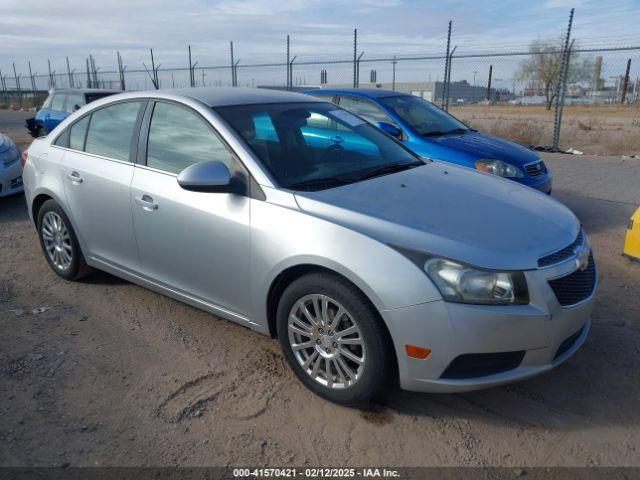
(301, 221)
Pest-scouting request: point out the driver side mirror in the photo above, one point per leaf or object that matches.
(390, 129)
(213, 176)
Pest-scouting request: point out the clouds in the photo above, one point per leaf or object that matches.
(37, 31)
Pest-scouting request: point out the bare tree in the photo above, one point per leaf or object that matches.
(542, 68)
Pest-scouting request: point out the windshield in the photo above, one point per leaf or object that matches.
(316, 145)
(424, 117)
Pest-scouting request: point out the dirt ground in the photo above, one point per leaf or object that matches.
(596, 130)
(103, 372)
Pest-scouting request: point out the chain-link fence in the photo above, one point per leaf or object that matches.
(522, 94)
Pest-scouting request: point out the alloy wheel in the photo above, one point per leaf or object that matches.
(326, 341)
(57, 240)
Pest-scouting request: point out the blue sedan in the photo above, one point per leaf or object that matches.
(433, 133)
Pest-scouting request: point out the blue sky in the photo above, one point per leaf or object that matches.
(38, 30)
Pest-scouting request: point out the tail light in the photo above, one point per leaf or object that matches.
(24, 157)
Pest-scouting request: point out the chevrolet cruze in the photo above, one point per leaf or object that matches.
(299, 220)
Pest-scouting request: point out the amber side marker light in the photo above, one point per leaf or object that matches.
(420, 353)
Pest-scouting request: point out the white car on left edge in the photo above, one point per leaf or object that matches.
(10, 167)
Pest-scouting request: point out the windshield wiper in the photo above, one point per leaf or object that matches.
(320, 183)
(390, 168)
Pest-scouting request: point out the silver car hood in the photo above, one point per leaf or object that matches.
(450, 211)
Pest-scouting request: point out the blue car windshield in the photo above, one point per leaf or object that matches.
(316, 145)
(427, 119)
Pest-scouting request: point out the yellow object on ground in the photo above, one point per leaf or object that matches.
(632, 243)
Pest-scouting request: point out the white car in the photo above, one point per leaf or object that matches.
(10, 167)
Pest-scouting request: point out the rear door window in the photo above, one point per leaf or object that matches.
(111, 130)
(77, 133)
(57, 103)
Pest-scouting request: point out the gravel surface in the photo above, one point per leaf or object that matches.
(103, 372)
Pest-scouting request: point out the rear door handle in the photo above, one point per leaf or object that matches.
(146, 202)
(75, 178)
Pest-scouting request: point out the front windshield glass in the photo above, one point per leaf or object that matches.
(424, 117)
(316, 145)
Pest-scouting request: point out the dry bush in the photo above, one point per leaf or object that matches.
(520, 131)
(587, 124)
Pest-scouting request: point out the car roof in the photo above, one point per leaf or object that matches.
(357, 92)
(85, 90)
(227, 96)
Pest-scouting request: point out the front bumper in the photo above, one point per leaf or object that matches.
(11, 179)
(543, 332)
(542, 183)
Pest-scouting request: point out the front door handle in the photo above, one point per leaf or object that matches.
(75, 178)
(146, 202)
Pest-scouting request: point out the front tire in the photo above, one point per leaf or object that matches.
(334, 340)
(59, 242)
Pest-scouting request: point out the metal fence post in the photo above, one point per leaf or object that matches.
(355, 61)
(446, 68)
(70, 74)
(191, 78)
(562, 86)
(358, 69)
(233, 77)
(393, 77)
(288, 66)
(625, 82)
(446, 103)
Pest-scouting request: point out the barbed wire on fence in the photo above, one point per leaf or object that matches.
(595, 70)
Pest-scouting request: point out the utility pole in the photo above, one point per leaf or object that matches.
(625, 82)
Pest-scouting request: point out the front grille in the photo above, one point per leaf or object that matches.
(563, 254)
(535, 170)
(575, 287)
(476, 365)
(567, 343)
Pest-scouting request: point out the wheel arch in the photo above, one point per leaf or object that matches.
(292, 273)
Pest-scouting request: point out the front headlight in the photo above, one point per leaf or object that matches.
(499, 168)
(11, 155)
(463, 284)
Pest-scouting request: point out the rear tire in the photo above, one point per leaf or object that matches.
(59, 242)
(334, 339)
